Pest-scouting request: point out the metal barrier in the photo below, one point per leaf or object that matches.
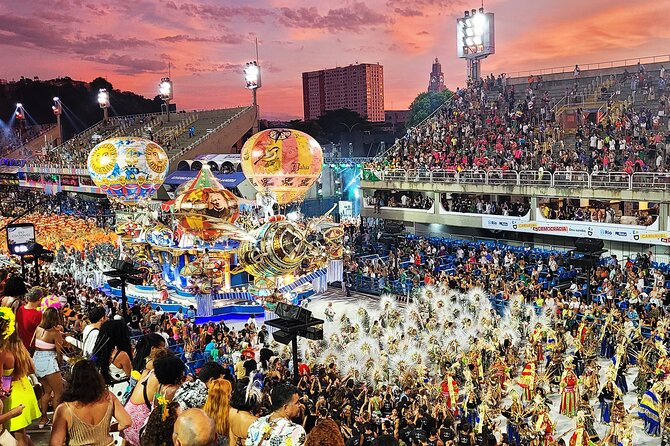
(581, 179)
(563, 178)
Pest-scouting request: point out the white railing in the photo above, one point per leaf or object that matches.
(563, 179)
(591, 66)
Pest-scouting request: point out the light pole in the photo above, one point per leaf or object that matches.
(20, 115)
(252, 79)
(103, 100)
(166, 93)
(58, 109)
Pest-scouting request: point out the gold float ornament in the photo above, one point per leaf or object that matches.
(128, 169)
(282, 161)
(279, 248)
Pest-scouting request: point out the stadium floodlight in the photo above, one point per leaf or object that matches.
(165, 91)
(475, 35)
(19, 105)
(103, 100)
(56, 99)
(57, 108)
(252, 75)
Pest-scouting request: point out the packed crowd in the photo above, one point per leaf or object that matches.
(158, 378)
(14, 201)
(478, 205)
(603, 214)
(517, 131)
(398, 199)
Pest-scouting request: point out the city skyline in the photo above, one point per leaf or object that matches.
(207, 42)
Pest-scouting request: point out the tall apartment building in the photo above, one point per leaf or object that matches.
(357, 87)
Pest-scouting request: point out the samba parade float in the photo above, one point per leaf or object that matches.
(209, 248)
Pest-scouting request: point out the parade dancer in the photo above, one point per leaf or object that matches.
(606, 398)
(580, 437)
(515, 419)
(568, 390)
(650, 410)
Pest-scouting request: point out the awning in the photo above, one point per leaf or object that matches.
(229, 180)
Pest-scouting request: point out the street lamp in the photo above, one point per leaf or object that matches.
(58, 110)
(252, 79)
(103, 100)
(166, 94)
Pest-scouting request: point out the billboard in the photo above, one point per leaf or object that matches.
(19, 237)
(475, 36)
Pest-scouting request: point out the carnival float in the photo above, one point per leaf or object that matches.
(207, 245)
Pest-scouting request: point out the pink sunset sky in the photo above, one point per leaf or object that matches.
(207, 41)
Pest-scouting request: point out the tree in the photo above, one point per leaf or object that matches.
(425, 104)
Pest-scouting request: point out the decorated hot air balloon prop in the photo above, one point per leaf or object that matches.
(129, 170)
(282, 161)
(205, 208)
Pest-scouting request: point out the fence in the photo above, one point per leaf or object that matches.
(581, 179)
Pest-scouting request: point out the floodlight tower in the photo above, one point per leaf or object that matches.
(58, 110)
(252, 79)
(20, 115)
(475, 39)
(103, 100)
(166, 93)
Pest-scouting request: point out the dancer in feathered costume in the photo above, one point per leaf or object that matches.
(450, 391)
(650, 410)
(569, 390)
(606, 397)
(515, 419)
(619, 361)
(544, 426)
(528, 381)
(580, 437)
(589, 418)
(591, 378)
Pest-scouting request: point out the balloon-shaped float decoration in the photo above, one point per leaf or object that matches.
(204, 208)
(128, 169)
(282, 161)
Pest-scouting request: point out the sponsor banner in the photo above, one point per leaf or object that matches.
(625, 233)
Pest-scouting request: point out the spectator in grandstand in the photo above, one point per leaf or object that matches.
(277, 428)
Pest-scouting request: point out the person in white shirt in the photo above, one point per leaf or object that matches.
(97, 317)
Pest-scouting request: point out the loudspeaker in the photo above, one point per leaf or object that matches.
(123, 266)
(312, 333)
(283, 337)
(293, 312)
(588, 244)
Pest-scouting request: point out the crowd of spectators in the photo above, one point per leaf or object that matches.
(477, 205)
(490, 126)
(603, 214)
(398, 199)
(15, 201)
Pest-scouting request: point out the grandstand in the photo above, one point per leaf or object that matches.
(217, 130)
(601, 134)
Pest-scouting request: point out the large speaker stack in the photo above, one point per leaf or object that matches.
(293, 322)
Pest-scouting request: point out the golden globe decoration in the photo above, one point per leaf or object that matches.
(128, 169)
(279, 248)
(284, 161)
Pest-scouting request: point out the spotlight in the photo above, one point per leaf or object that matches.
(103, 98)
(56, 99)
(252, 75)
(19, 105)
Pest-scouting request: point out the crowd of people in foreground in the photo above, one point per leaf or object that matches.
(444, 370)
(516, 130)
